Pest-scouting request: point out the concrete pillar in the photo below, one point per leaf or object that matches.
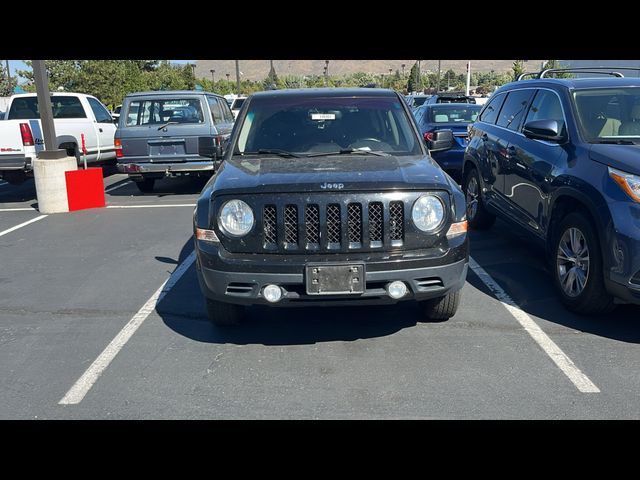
(51, 184)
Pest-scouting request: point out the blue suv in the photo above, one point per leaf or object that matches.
(447, 116)
(560, 158)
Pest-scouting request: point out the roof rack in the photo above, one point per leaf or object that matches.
(596, 70)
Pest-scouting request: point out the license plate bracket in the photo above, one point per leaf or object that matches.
(336, 279)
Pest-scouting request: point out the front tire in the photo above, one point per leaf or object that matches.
(577, 267)
(477, 214)
(442, 308)
(223, 314)
(146, 185)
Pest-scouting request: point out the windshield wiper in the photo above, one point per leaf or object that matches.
(350, 151)
(167, 124)
(274, 151)
(618, 142)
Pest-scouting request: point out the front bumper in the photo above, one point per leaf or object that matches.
(15, 162)
(240, 280)
(623, 241)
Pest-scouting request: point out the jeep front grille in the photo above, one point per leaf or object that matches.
(396, 223)
(333, 226)
(312, 226)
(376, 220)
(354, 225)
(270, 229)
(291, 226)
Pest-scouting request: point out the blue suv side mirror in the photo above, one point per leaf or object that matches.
(543, 130)
(442, 140)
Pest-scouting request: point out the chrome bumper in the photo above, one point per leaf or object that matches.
(166, 168)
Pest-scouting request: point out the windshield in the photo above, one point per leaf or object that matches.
(454, 114)
(159, 111)
(609, 113)
(315, 125)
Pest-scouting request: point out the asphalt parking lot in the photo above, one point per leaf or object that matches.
(72, 283)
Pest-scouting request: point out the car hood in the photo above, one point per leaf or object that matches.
(622, 157)
(333, 173)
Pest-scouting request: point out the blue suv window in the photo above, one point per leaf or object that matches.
(546, 106)
(490, 112)
(514, 109)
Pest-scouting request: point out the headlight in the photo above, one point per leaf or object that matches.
(236, 218)
(428, 213)
(628, 182)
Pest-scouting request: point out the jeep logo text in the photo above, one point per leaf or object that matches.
(337, 186)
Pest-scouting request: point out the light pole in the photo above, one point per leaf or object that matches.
(238, 76)
(8, 72)
(228, 75)
(439, 73)
(50, 164)
(213, 75)
(403, 65)
(326, 73)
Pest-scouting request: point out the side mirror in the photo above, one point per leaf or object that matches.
(442, 140)
(207, 148)
(543, 130)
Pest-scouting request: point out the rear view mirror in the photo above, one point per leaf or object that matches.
(441, 140)
(207, 147)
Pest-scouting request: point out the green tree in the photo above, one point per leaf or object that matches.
(271, 82)
(6, 86)
(413, 84)
(518, 69)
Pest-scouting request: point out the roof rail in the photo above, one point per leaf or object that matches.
(587, 70)
(597, 70)
(522, 76)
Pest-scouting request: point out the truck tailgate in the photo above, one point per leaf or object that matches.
(12, 152)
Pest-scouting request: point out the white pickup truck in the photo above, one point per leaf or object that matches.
(74, 114)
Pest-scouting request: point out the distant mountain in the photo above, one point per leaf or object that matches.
(258, 69)
(605, 63)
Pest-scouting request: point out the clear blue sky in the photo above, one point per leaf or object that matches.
(20, 65)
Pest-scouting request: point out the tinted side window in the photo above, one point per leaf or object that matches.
(226, 111)
(101, 113)
(216, 112)
(490, 112)
(514, 109)
(546, 106)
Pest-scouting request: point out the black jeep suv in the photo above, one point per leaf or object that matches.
(560, 159)
(329, 197)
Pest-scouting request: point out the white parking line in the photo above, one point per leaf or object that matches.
(154, 206)
(24, 209)
(111, 189)
(13, 229)
(79, 389)
(564, 363)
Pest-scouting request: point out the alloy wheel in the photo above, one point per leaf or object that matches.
(572, 260)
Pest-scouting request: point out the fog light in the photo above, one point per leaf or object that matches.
(397, 289)
(272, 293)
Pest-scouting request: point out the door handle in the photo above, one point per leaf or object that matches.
(485, 136)
(100, 129)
